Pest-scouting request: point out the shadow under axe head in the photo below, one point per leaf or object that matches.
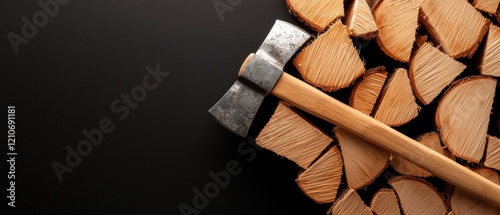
(237, 108)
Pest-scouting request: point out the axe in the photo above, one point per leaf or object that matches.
(262, 74)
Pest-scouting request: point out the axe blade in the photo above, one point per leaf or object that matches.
(236, 110)
(238, 107)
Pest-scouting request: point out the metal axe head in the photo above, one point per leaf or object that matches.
(237, 108)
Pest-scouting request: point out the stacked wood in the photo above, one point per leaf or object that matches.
(321, 181)
(349, 202)
(490, 62)
(405, 167)
(385, 202)
(462, 116)
(492, 157)
(292, 136)
(453, 24)
(397, 21)
(397, 104)
(363, 161)
(431, 71)
(463, 203)
(317, 14)
(457, 102)
(488, 6)
(366, 91)
(360, 21)
(330, 62)
(417, 196)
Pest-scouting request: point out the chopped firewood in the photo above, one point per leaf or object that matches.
(363, 161)
(397, 103)
(417, 196)
(290, 135)
(490, 60)
(397, 21)
(403, 166)
(385, 202)
(431, 71)
(365, 93)
(349, 202)
(330, 62)
(317, 14)
(463, 203)
(455, 25)
(321, 181)
(492, 157)
(488, 6)
(360, 21)
(463, 114)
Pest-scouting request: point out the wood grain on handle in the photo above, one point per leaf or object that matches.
(315, 102)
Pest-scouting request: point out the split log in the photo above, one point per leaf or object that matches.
(463, 203)
(455, 25)
(330, 62)
(492, 157)
(360, 21)
(488, 6)
(417, 197)
(290, 135)
(462, 116)
(385, 202)
(397, 103)
(489, 59)
(405, 167)
(321, 181)
(431, 71)
(397, 21)
(317, 14)
(365, 92)
(349, 202)
(363, 161)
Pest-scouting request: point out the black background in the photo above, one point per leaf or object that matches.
(66, 77)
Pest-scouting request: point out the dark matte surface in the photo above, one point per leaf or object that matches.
(66, 77)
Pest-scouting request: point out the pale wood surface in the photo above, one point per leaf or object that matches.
(290, 135)
(492, 157)
(453, 24)
(463, 114)
(488, 6)
(463, 203)
(331, 61)
(363, 161)
(349, 202)
(365, 92)
(418, 197)
(397, 104)
(397, 21)
(317, 14)
(312, 100)
(385, 202)
(360, 21)
(431, 71)
(490, 58)
(321, 181)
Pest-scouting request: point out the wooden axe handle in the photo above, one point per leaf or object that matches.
(315, 102)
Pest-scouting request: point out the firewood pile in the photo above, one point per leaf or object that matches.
(428, 68)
